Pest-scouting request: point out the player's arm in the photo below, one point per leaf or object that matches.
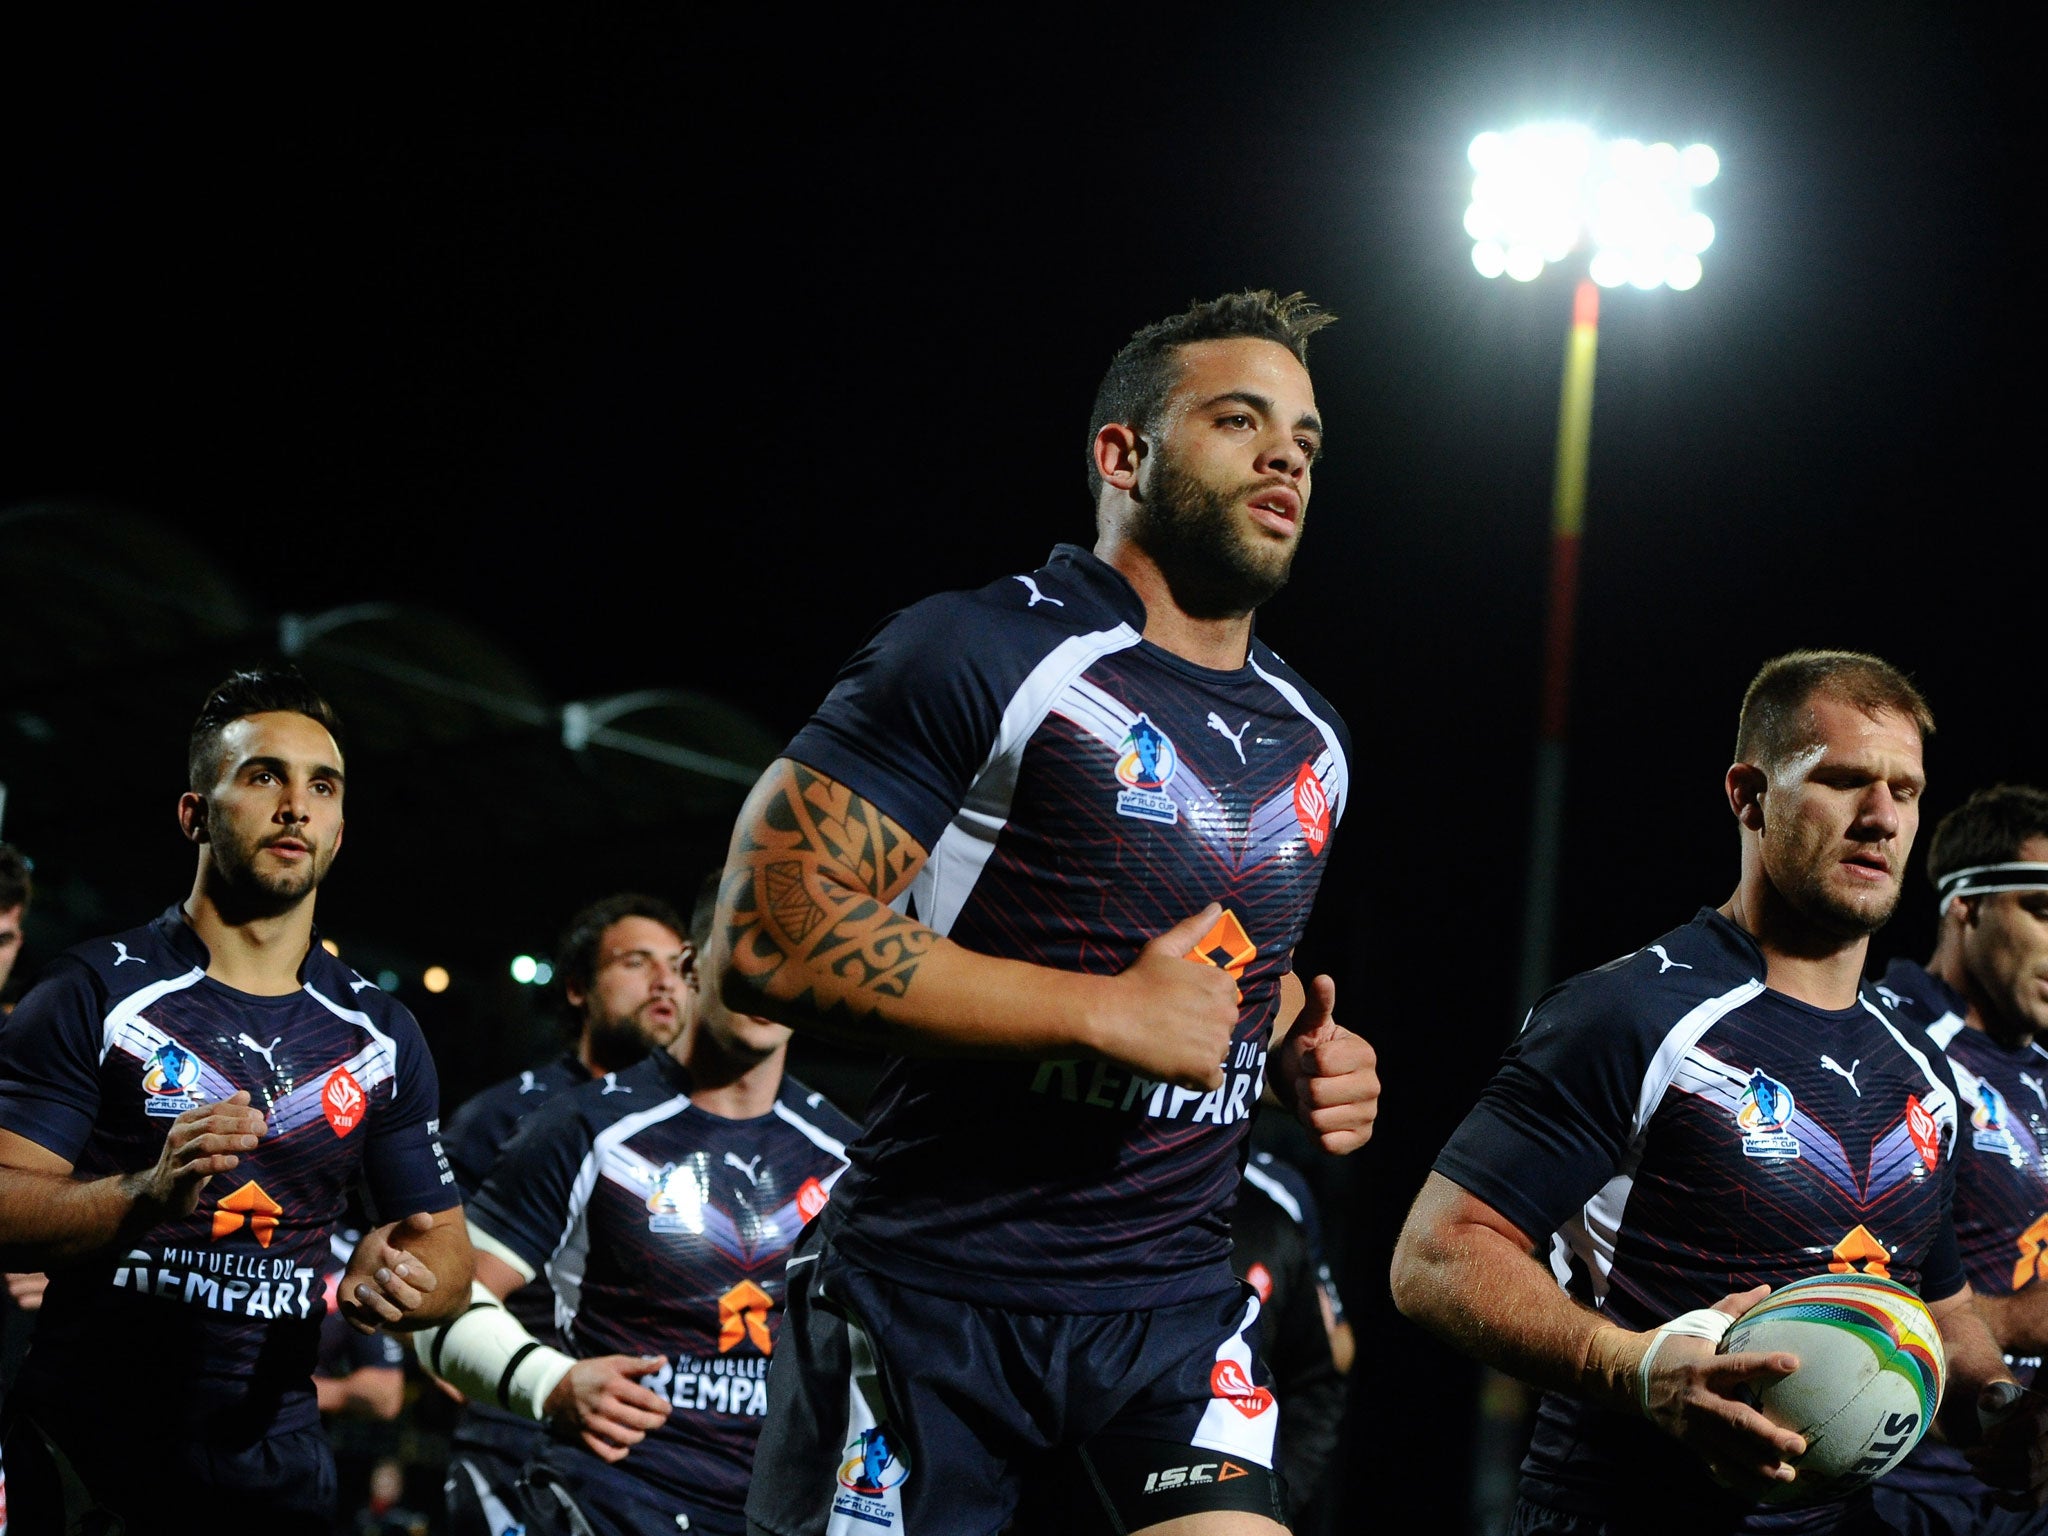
(805, 935)
(1468, 1274)
(48, 1218)
(2018, 1320)
(367, 1392)
(408, 1274)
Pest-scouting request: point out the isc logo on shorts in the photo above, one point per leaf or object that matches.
(1188, 1477)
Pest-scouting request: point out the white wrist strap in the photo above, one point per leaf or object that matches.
(1705, 1323)
(485, 1355)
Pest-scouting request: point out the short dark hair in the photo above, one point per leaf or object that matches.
(1143, 373)
(16, 882)
(1987, 828)
(263, 691)
(704, 909)
(576, 953)
(1776, 722)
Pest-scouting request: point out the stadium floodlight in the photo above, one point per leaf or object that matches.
(1547, 190)
(1543, 195)
(525, 970)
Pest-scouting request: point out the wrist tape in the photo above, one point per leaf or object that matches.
(1704, 1323)
(485, 1355)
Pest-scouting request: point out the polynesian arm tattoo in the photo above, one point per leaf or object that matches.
(805, 910)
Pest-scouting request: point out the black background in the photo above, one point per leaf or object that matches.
(673, 353)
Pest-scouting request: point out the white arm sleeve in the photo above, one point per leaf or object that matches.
(485, 1355)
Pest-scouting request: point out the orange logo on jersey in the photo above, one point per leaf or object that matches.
(811, 1198)
(1226, 946)
(743, 1314)
(248, 1206)
(1312, 808)
(1260, 1279)
(342, 1101)
(2031, 1241)
(1860, 1251)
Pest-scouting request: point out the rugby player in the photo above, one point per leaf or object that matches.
(16, 886)
(184, 1108)
(661, 1202)
(1017, 817)
(1724, 1110)
(1984, 998)
(628, 975)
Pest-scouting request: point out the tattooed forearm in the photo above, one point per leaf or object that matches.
(805, 904)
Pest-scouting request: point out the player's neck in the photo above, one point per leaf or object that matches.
(725, 1085)
(1947, 966)
(1800, 960)
(1219, 644)
(260, 955)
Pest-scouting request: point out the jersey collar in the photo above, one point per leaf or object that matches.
(1103, 581)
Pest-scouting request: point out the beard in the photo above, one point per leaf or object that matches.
(617, 1043)
(256, 890)
(1832, 911)
(1213, 566)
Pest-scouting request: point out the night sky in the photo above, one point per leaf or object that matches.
(657, 352)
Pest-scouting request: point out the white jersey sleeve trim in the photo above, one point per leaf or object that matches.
(1337, 776)
(503, 1252)
(1592, 1233)
(565, 1267)
(1277, 1192)
(808, 1131)
(122, 1012)
(362, 1021)
(948, 878)
(1944, 1029)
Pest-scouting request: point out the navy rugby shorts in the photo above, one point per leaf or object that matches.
(895, 1412)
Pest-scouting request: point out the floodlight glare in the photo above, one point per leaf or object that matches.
(524, 969)
(1549, 189)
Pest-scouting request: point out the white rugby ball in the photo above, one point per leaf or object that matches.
(1869, 1379)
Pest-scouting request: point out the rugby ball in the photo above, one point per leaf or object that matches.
(1869, 1378)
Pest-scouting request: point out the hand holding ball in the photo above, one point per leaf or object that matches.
(1869, 1378)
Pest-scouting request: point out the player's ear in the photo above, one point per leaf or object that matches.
(1119, 451)
(192, 816)
(1745, 786)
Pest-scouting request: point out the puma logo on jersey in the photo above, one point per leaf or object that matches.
(751, 1167)
(121, 955)
(359, 983)
(1665, 962)
(1037, 596)
(1846, 1074)
(526, 1083)
(2035, 1083)
(612, 1085)
(1235, 738)
(264, 1050)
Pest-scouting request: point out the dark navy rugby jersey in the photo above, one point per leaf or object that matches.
(1287, 1187)
(664, 1230)
(478, 1133)
(2001, 1211)
(1673, 1131)
(482, 1127)
(1080, 791)
(214, 1317)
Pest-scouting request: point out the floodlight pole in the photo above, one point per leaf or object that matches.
(1568, 517)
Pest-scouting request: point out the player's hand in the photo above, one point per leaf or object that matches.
(2013, 1455)
(1327, 1075)
(27, 1290)
(384, 1282)
(1693, 1397)
(603, 1402)
(1168, 1018)
(205, 1140)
